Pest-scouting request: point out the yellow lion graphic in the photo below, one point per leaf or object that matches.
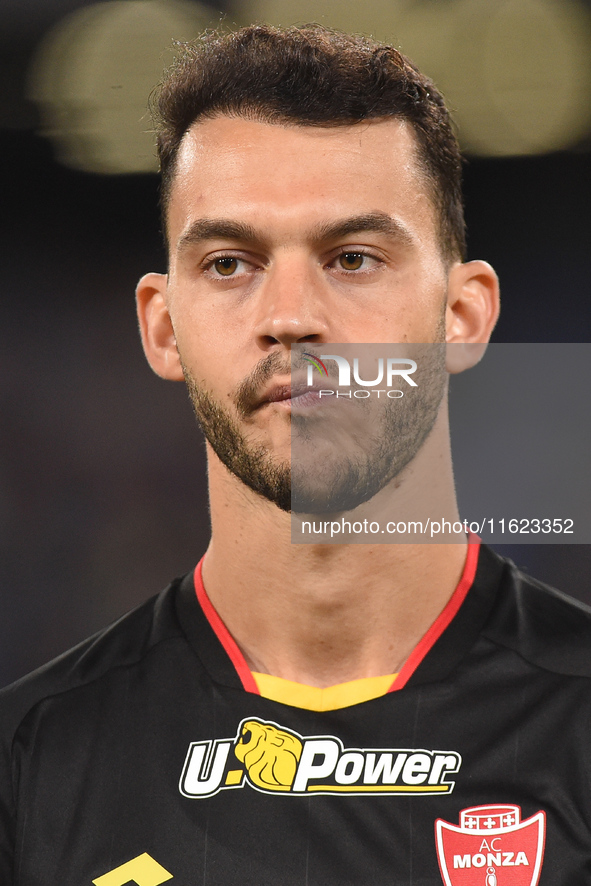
(270, 755)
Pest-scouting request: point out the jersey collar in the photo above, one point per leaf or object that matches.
(440, 650)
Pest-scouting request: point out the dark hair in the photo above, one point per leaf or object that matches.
(311, 75)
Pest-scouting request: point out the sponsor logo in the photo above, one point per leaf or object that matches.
(276, 760)
(491, 847)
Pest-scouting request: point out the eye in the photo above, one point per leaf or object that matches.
(226, 266)
(356, 260)
(351, 261)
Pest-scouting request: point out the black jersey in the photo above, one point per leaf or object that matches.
(146, 755)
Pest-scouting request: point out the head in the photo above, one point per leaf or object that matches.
(311, 194)
(312, 76)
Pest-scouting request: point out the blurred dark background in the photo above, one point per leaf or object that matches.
(102, 482)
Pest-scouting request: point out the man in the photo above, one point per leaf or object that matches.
(309, 713)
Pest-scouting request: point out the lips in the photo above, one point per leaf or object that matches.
(281, 392)
(296, 394)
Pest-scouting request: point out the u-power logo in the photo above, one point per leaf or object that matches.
(387, 371)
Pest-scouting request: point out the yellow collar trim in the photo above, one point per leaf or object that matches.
(312, 698)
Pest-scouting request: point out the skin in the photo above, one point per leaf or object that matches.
(295, 610)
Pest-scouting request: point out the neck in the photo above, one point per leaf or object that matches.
(323, 614)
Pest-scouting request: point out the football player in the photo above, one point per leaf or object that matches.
(311, 714)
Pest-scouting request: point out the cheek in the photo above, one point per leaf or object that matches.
(195, 347)
(209, 318)
(413, 313)
(208, 359)
(424, 299)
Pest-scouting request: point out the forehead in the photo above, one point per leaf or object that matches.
(289, 176)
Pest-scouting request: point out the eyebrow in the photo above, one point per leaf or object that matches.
(216, 229)
(226, 229)
(371, 222)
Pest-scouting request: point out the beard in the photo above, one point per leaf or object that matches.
(251, 463)
(338, 461)
(345, 455)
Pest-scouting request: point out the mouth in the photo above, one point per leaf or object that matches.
(296, 396)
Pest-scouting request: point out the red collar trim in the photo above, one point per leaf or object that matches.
(413, 661)
(223, 634)
(443, 619)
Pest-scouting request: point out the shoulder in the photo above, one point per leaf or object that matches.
(123, 644)
(545, 626)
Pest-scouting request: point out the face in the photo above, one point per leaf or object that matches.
(282, 235)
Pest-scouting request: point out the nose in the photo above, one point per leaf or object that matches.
(292, 305)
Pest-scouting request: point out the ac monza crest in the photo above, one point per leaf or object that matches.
(491, 847)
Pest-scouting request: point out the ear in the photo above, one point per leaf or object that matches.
(472, 310)
(156, 327)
